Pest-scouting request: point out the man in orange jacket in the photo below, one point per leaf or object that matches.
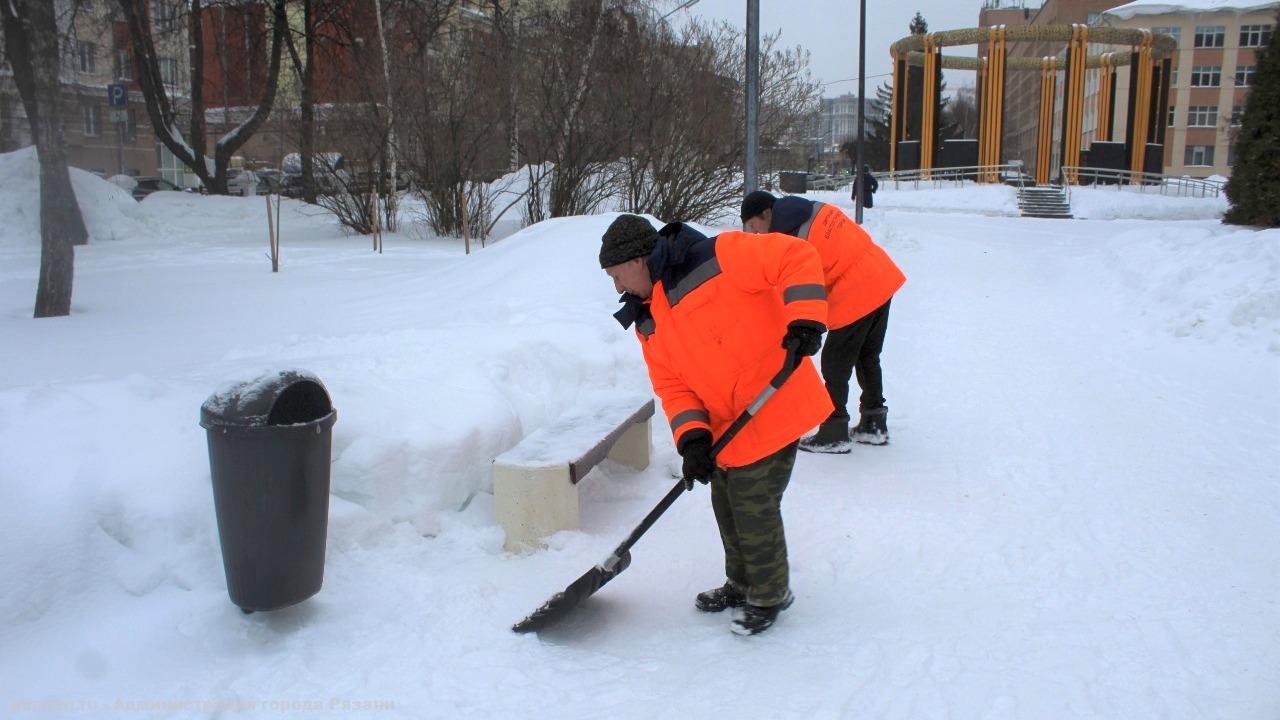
(861, 280)
(715, 317)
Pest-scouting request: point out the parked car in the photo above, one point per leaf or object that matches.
(271, 180)
(148, 185)
(243, 182)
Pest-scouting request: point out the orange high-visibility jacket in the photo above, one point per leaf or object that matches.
(713, 338)
(860, 276)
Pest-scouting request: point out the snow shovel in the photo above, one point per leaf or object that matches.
(592, 580)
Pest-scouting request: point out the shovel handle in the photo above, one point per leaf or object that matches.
(788, 367)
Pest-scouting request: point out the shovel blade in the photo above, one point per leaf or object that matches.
(563, 602)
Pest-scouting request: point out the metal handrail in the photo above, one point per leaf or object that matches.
(1164, 184)
(969, 173)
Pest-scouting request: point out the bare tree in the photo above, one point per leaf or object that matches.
(304, 69)
(681, 123)
(163, 110)
(568, 57)
(683, 115)
(451, 140)
(31, 43)
(962, 112)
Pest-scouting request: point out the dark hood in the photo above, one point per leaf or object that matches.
(680, 249)
(789, 213)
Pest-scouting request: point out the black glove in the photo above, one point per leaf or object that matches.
(696, 451)
(804, 336)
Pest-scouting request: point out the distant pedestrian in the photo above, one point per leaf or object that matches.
(869, 187)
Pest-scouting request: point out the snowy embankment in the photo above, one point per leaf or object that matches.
(1088, 203)
(1076, 517)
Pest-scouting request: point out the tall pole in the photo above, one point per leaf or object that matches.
(390, 144)
(753, 92)
(858, 179)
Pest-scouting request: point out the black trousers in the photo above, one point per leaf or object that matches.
(856, 348)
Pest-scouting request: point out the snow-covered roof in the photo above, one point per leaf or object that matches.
(1153, 7)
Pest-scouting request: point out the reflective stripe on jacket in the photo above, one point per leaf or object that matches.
(713, 337)
(860, 276)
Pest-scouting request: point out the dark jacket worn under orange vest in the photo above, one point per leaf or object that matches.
(712, 336)
(860, 276)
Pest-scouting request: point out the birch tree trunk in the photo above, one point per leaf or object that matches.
(392, 200)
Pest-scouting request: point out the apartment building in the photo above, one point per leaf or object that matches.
(838, 119)
(100, 137)
(1212, 71)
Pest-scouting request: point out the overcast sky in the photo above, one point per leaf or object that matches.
(828, 29)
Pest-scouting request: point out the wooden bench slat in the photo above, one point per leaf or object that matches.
(579, 468)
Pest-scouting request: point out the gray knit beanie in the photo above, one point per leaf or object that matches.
(627, 238)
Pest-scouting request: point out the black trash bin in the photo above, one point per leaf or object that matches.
(269, 448)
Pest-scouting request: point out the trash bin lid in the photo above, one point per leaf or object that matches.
(280, 397)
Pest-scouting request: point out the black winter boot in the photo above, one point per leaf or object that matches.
(753, 619)
(721, 598)
(832, 437)
(872, 428)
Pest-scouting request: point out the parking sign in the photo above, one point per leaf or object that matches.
(118, 95)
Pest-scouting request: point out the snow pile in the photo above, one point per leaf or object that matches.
(110, 213)
(1207, 281)
(1119, 203)
(1055, 530)
(1154, 7)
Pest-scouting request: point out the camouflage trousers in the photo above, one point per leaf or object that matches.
(748, 506)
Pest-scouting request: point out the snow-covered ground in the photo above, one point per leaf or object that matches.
(1077, 517)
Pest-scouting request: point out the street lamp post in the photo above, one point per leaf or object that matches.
(753, 93)
(862, 108)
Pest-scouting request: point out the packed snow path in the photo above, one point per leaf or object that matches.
(1076, 517)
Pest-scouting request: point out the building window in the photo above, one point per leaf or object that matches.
(166, 15)
(1231, 155)
(1173, 78)
(1237, 115)
(1202, 116)
(1244, 75)
(88, 54)
(92, 122)
(1206, 76)
(1174, 32)
(169, 72)
(1199, 156)
(1093, 19)
(1173, 113)
(1254, 35)
(124, 65)
(131, 124)
(1210, 36)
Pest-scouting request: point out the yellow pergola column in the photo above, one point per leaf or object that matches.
(895, 114)
(1106, 103)
(1140, 75)
(991, 131)
(1073, 125)
(1044, 140)
(984, 115)
(928, 119)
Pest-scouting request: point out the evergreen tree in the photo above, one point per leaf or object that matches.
(875, 147)
(918, 26)
(875, 144)
(1254, 187)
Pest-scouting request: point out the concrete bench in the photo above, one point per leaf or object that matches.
(535, 483)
